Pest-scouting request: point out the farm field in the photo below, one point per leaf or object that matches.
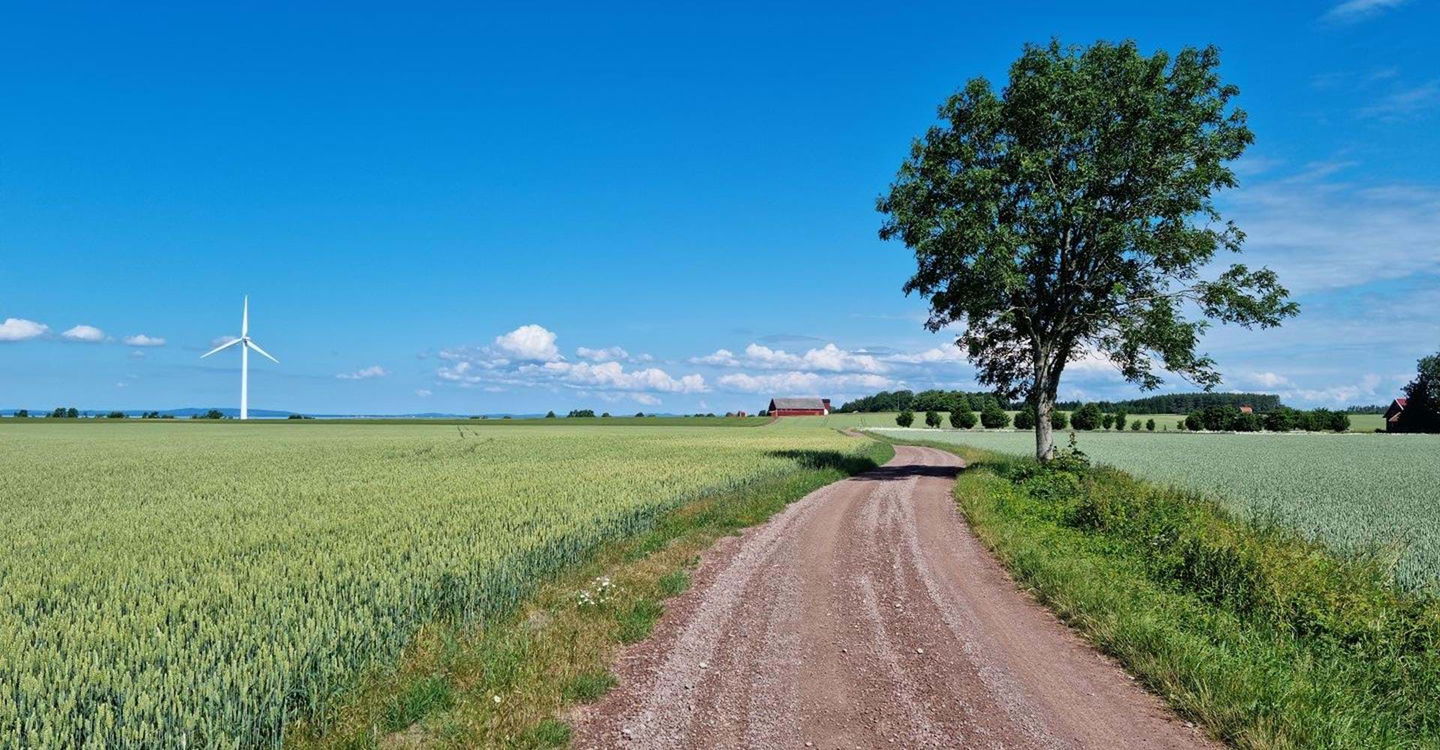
(188, 584)
(1351, 491)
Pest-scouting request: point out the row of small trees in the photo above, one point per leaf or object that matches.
(1090, 417)
(1283, 419)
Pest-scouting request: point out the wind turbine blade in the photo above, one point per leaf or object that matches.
(225, 345)
(245, 318)
(258, 350)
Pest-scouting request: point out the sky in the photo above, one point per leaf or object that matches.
(486, 208)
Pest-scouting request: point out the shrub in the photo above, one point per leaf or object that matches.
(1025, 418)
(1150, 424)
(932, 418)
(1246, 423)
(1193, 422)
(1107, 421)
(905, 418)
(1219, 418)
(1087, 417)
(1120, 417)
(1282, 420)
(993, 417)
(550, 415)
(1059, 419)
(963, 419)
(1135, 426)
(574, 413)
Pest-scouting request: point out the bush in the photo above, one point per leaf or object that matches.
(1025, 418)
(1150, 424)
(993, 417)
(1120, 417)
(1135, 426)
(1059, 419)
(963, 419)
(1193, 422)
(574, 413)
(1107, 421)
(1283, 419)
(1246, 423)
(1087, 417)
(932, 418)
(905, 418)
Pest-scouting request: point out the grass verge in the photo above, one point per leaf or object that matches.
(508, 682)
(1266, 639)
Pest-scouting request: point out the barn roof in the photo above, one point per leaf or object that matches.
(796, 403)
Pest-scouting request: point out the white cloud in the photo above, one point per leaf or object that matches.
(613, 376)
(934, 355)
(721, 358)
(1356, 10)
(20, 329)
(423, 393)
(137, 354)
(1402, 104)
(1365, 391)
(607, 354)
(802, 383)
(89, 334)
(529, 342)
(829, 358)
(1265, 379)
(1318, 234)
(528, 357)
(373, 371)
(141, 339)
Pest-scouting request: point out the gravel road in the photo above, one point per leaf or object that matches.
(868, 615)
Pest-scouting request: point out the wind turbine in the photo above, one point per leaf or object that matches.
(245, 346)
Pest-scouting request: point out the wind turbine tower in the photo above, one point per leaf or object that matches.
(246, 344)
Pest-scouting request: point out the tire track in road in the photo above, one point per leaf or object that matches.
(868, 615)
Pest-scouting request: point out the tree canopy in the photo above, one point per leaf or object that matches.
(1422, 406)
(1071, 215)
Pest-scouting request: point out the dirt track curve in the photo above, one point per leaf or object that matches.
(867, 615)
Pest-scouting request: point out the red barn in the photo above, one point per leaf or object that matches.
(1393, 414)
(799, 407)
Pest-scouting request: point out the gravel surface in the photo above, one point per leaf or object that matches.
(867, 615)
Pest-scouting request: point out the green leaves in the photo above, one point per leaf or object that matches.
(1073, 213)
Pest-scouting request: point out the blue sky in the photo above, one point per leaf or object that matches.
(484, 208)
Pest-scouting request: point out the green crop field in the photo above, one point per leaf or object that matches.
(183, 584)
(1353, 491)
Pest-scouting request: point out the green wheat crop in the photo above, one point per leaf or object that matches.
(201, 584)
(1357, 492)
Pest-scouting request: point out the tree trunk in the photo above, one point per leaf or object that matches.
(1044, 432)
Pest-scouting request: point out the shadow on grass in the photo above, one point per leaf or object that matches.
(848, 463)
(861, 467)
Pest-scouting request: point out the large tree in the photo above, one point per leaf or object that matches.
(1422, 407)
(1071, 215)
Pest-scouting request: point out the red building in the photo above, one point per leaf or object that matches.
(799, 407)
(1393, 415)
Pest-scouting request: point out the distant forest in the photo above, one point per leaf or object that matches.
(924, 401)
(1174, 403)
(1184, 403)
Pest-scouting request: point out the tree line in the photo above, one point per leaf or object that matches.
(931, 400)
(1184, 403)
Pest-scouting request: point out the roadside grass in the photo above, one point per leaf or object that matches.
(510, 682)
(1264, 638)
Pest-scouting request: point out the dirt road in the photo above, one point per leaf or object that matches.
(867, 615)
